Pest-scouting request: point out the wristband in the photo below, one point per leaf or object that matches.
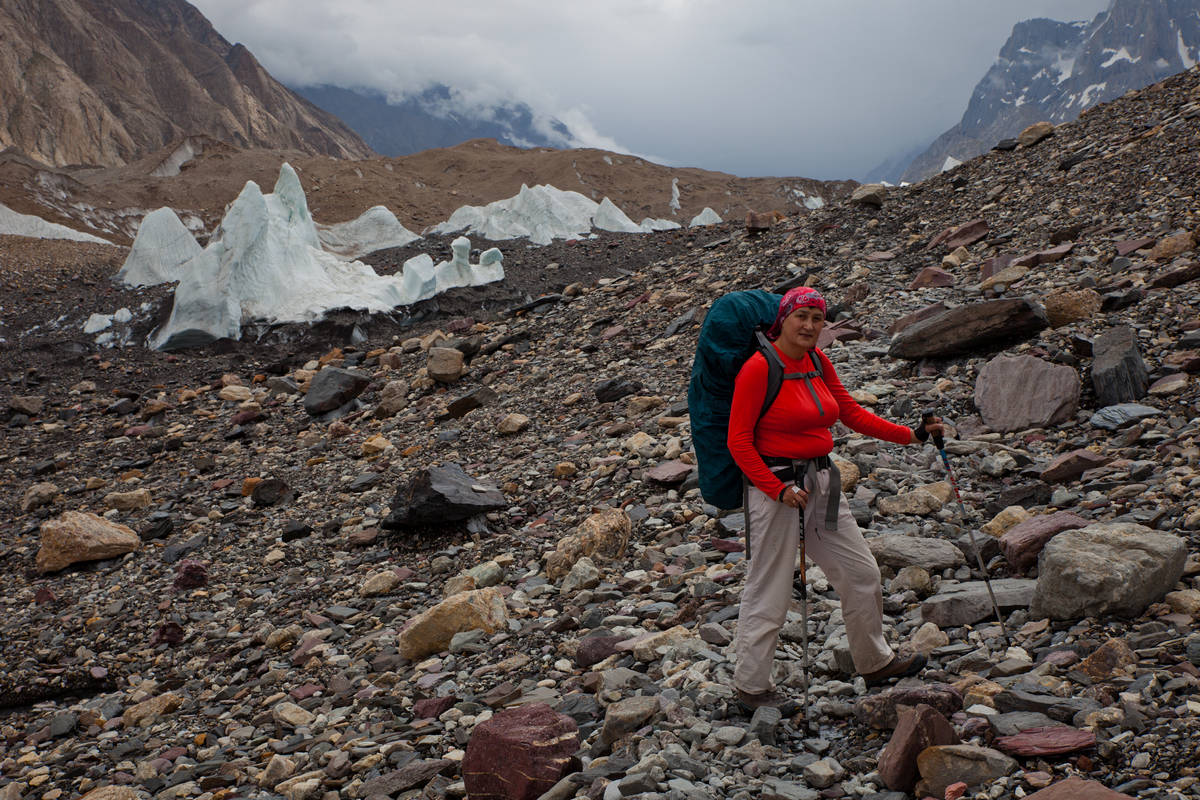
(921, 433)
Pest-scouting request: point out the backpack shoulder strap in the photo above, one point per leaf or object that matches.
(774, 370)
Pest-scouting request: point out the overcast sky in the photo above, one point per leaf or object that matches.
(814, 88)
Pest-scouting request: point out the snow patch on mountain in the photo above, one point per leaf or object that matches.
(14, 223)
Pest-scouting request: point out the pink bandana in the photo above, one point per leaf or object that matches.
(800, 297)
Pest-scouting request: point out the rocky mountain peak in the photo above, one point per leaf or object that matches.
(1050, 70)
(82, 93)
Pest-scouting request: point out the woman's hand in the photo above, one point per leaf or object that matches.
(934, 427)
(795, 497)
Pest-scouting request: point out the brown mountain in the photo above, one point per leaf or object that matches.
(107, 81)
(198, 177)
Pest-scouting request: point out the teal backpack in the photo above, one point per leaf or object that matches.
(734, 330)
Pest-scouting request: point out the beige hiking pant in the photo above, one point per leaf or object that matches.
(841, 554)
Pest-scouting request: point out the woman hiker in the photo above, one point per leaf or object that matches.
(795, 432)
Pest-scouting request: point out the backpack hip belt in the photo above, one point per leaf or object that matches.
(798, 470)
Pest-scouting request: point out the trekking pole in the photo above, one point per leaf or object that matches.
(802, 588)
(939, 442)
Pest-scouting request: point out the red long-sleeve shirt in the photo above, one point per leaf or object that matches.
(792, 427)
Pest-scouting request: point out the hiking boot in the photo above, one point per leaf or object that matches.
(749, 702)
(899, 667)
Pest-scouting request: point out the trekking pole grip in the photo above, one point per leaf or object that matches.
(927, 416)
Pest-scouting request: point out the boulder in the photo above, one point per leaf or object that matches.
(919, 502)
(1070, 466)
(332, 388)
(411, 775)
(925, 313)
(1107, 660)
(1173, 246)
(1118, 373)
(871, 194)
(128, 501)
(916, 729)
(431, 631)
(1176, 277)
(520, 753)
(1023, 543)
(1112, 418)
(1064, 308)
(882, 711)
(438, 495)
(149, 711)
(932, 277)
(626, 716)
(1018, 392)
(967, 328)
(474, 399)
(968, 603)
(1077, 789)
(1106, 568)
(512, 423)
(966, 234)
(604, 534)
(1031, 136)
(943, 765)
(38, 495)
(445, 364)
(669, 473)
(79, 536)
(897, 551)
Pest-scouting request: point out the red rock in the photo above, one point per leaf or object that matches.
(967, 234)
(417, 773)
(1133, 245)
(993, 265)
(1108, 659)
(1070, 466)
(1177, 277)
(915, 317)
(932, 277)
(669, 473)
(956, 790)
(1045, 741)
(916, 729)
(1022, 543)
(727, 545)
(520, 753)
(881, 711)
(1077, 789)
(1185, 360)
(433, 707)
(594, 649)
(1013, 393)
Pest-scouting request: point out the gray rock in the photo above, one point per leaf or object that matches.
(332, 388)
(1118, 373)
(968, 328)
(1111, 418)
(1018, 392)
(440, 495)
(776, 789)
(897, 551)
(1106, 568)
(968, 603)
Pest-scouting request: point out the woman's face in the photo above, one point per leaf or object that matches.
(802, 327)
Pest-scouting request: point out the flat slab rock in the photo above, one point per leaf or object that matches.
(1045, 741)
(968, 603)
(1077, 789)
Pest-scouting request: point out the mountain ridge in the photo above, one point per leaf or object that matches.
(1050, 70)
(105, 83)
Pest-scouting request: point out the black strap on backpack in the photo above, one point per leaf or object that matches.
(776, 376)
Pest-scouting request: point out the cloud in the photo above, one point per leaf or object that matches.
(820, 88)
